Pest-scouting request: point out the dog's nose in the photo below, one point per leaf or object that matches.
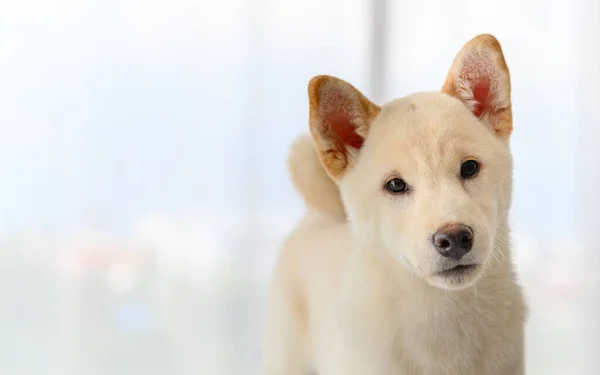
(453, 240)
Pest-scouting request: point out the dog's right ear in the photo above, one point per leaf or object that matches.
(340, 117)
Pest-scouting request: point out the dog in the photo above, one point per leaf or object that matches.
(402, 264)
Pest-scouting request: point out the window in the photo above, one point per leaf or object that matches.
(145, 192)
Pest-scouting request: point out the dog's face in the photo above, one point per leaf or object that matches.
(425, 178)
(429, 187)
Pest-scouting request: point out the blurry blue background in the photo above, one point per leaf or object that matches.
(142, 152)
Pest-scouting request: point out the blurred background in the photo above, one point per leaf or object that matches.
(144, 194)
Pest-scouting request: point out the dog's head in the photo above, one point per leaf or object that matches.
(426, 178)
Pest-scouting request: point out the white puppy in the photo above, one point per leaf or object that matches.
(402, 265)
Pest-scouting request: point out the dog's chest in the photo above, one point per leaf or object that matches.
(447, 340)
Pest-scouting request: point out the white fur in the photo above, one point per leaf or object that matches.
(360, 295)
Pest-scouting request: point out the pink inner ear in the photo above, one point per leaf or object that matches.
(344, 132)
(481, 94)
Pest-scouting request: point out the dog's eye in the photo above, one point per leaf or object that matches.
(396, 186)
(469, 169)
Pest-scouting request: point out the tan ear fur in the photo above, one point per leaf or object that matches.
(339, 118)
(479, 77)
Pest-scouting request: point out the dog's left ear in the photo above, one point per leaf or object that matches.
(480, 78)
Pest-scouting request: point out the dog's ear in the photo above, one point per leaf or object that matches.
(340, 117)
(479, 77)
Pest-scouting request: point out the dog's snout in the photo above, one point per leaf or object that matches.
(453, 240)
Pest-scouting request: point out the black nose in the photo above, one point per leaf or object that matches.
(453, 240)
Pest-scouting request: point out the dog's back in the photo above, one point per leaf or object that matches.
(303, 280)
